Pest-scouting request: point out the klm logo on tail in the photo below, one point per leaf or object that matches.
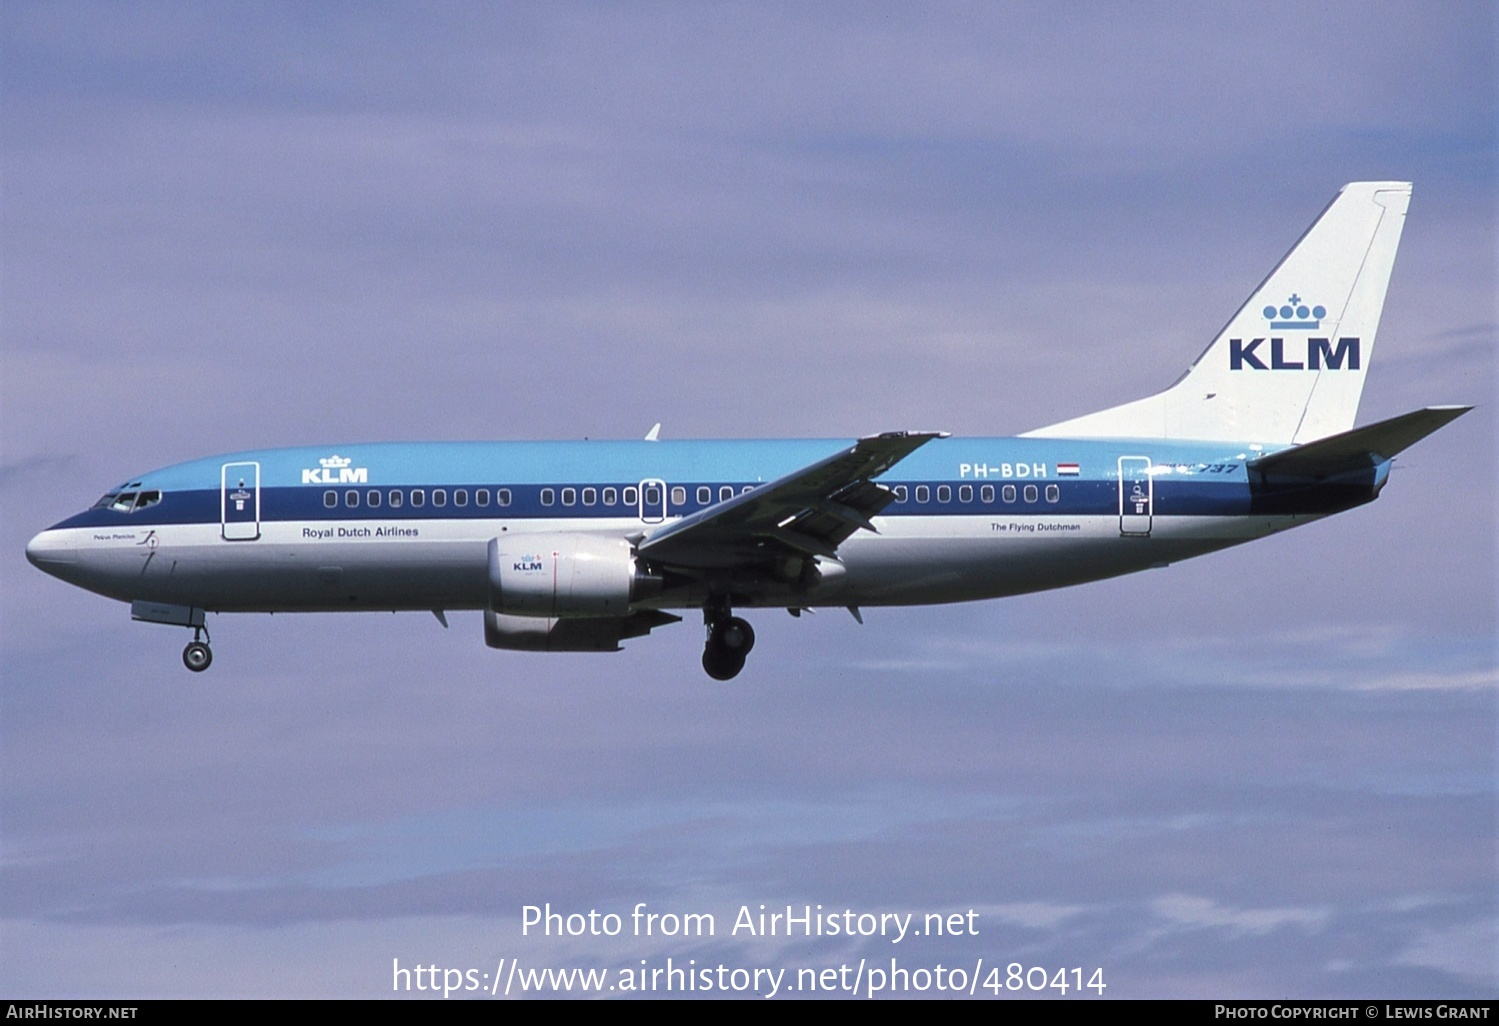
(1295, 315)
(1312, 319)
(1320, 354)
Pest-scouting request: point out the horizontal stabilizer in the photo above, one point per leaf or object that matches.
(1360, 448)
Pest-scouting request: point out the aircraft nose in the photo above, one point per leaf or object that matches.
(49, 551)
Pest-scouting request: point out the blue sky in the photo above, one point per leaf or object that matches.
(1266, 772)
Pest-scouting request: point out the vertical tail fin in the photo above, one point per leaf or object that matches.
(1290, 364)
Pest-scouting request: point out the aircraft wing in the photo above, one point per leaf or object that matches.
(809, 512)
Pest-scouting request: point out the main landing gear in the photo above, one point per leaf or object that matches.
(197, 655)
(730, 639)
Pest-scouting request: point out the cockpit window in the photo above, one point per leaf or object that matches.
(128, 502)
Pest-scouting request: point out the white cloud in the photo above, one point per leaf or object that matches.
(1467, 950)
(1191, 912)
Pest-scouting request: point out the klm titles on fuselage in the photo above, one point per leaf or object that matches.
(341, 475)
(336, 469)
(1320, 354)
(394, 531)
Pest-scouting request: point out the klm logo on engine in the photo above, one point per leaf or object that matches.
(1319, 353)
(336, 470)
(528, 563)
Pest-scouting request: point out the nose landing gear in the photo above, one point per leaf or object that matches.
(730, 639)
(197, 655)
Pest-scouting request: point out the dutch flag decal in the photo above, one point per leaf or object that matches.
(1067, 470)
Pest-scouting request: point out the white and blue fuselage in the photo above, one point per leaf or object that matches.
(406, 526)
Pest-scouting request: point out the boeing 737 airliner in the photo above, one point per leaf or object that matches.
(577, 546)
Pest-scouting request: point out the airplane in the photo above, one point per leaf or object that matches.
(578, 546)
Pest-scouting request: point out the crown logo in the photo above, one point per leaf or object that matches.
(335, 462)
(1295, 314)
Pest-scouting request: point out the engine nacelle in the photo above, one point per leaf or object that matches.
(567, 575)
(581, 634)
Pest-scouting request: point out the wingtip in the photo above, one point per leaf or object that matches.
(911, 434)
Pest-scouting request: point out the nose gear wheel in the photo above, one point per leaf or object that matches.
(197, 656)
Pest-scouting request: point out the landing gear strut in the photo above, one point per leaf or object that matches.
(730, 639)
(197, 655)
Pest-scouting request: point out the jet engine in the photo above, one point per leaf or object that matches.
(566, 575)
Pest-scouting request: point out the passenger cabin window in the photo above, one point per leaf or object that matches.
(460, 496)
(944, 493)
(632, 496)
(965, 493)
(372, 497)
(653, 495)
(1053, 493)
(901, 493)
(439, 496)
(678, 495)
(590, 496)
(923, 493)
(611, 496)
(704, 495)
(1008, 493)
(1031, 493)
(569, 496)
(502, 496)
(395, 498)
(548, 497)
(481, 497)
(330, 498)
(418, 496)
(725, 493)
(986, 493)
(351, 498)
